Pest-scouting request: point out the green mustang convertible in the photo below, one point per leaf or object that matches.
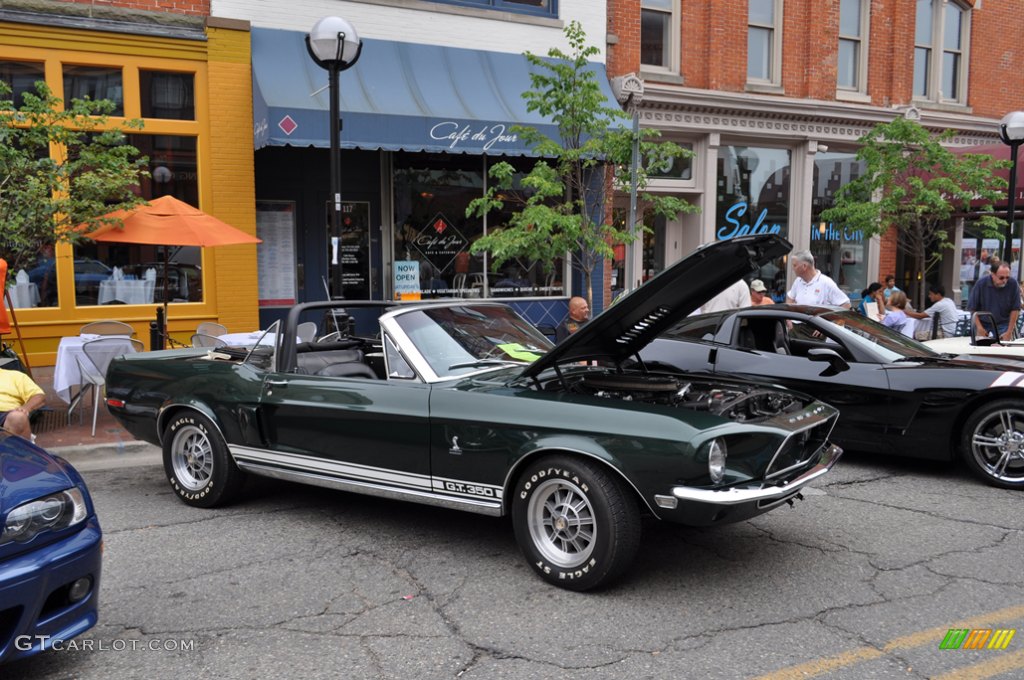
(465, 405)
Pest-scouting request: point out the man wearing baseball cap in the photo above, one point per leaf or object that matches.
(759, 294)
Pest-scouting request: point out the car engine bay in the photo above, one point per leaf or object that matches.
(743, 403)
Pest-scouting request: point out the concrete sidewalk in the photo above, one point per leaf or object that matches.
(107, 456)
(74, 440)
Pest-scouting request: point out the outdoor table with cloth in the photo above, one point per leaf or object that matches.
(66, 373)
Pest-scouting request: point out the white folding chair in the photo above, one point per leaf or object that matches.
(107, 327)
(93, 366)
(330, 337)
(211, 328)
(203, 340)
(306, 331)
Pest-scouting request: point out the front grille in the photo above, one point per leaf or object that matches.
(798, 451)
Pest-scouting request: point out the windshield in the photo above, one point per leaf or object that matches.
(856, 330)
(454, 340)
(263, 350)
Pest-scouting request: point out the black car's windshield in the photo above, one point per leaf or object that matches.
(455, 340)
(856, 330)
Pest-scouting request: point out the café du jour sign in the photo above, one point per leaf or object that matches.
(440, 242)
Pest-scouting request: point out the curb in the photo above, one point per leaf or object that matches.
(109, 456)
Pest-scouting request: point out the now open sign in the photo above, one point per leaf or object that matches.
(407, 277)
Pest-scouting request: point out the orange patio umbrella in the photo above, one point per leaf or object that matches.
(167, 221)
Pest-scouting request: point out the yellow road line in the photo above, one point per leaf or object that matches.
(1004, 663)
(918, 639)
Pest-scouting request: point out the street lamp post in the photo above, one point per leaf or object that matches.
(334, 45)
(1011, 131)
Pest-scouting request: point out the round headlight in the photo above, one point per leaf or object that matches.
(716, 460)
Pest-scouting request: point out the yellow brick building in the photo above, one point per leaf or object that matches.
(204, 156)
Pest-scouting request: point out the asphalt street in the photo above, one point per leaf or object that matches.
(863, 579)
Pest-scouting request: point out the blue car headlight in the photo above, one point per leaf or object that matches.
(49, 513)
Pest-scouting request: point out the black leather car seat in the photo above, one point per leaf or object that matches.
(781, 341)
(746, 337)
(314, 362)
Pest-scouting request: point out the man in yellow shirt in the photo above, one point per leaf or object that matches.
(19, 396)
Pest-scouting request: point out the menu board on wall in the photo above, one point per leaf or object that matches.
(275, 257)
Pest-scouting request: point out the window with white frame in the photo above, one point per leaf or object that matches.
(541, 7)
(659, 34)
(764, 44)
(853, 53)
(941, 51)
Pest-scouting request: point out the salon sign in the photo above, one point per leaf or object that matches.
(738, 224)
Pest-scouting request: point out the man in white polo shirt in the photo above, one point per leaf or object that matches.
(811, 286)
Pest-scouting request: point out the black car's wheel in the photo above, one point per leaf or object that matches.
(993, 443)
(197, 462)
(575, 523)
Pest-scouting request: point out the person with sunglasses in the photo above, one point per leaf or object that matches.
(998, 295)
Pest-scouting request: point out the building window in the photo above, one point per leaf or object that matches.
(853, 32)
(167, 95)
(838, 251)
(941, 51)
(21, 77)
(764, 27)
(659, 34)
(173, 171)
(753, 195)
(95, 82)
(433, 235)
(542, 7)
(164, 94)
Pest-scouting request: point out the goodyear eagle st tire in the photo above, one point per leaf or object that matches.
(197, 463)
(575, 522)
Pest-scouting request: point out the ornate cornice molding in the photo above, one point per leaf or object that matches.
(682, 110)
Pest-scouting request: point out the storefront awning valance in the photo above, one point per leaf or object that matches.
(398, 96)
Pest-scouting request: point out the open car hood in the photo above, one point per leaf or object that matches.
(627, 326)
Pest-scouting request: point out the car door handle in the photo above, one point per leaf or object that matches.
(277, 383)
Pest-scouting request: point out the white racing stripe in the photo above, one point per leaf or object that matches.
(1007, 379)
(409, 480)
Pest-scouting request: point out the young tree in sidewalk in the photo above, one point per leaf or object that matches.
(90, 172)
(561, 206)
(914, 185)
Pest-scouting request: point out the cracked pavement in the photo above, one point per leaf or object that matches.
(304, 582)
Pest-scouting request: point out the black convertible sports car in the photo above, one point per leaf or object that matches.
(894, 394)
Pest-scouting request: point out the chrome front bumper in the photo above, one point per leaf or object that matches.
(733, 496)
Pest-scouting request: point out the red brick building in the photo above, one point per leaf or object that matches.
(772, 95)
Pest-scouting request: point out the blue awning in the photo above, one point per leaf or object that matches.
(398, 96)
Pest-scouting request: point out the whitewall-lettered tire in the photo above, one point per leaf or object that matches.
(197, 462)
(575, 522)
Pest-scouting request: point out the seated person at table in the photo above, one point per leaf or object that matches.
(19, 396)
(942, 309)
(896, 317)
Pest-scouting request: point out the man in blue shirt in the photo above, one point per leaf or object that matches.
(999, 295)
